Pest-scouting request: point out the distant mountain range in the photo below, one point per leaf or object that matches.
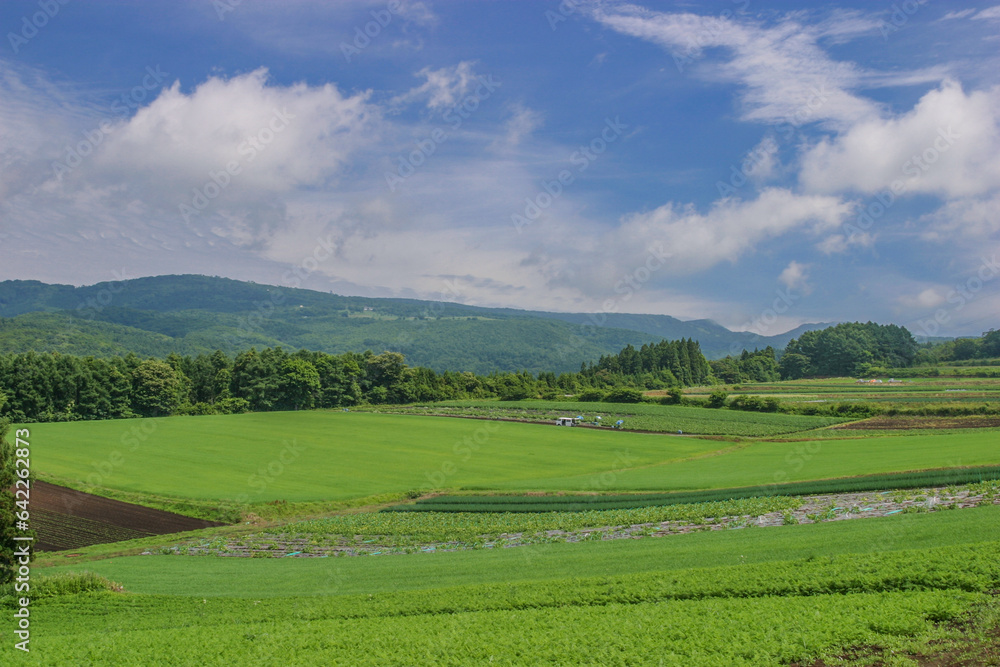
(189, 314)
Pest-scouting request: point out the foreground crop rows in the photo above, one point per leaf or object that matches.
(363, 536)
(754, 614)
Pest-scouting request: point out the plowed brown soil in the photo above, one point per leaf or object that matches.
(67, 519)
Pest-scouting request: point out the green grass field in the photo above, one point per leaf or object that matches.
(303, 456)
(308, 456)
(758, 463)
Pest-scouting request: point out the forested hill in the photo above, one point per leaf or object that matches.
(189, 314)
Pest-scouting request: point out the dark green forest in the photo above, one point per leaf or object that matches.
(961, 349)
(756, 366)
(59, 387)
(848, 349)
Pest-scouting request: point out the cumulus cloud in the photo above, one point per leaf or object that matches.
(971, 220)
(226, 149)
(795, 276)
(931, 297)
(284, 137)
(762, 162)
(731, 227)
(948, 144)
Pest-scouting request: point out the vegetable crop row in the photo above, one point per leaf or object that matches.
(577, 503)
(469, 525)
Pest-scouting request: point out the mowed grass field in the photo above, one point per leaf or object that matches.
(762, 462)
(310, 456)
(306, 456)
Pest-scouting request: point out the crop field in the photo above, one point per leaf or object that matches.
(59, 531)
(579, 502)
(701, 548)
(747, 598)
(636, 416)
(222, 577)
(736, 630)
(69, 519)
(905, 392)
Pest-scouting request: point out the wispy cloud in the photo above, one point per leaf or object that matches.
(781, 67)
(443, 88)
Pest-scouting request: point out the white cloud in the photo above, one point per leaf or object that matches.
(521, 124)
(961, 14)
(928, 298)
(972, 220)
(417, 12)
(795, 276)
(284, 136)
(729, 229)
(838, 243)
(342, 30)
(762, 162)
(948, 144)
(787, 77)
(844, 25)
(988, 14)
(126, 191)
(443, 88)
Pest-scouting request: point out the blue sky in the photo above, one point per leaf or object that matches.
(762, 164)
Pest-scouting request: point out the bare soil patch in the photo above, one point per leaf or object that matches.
(69, 519)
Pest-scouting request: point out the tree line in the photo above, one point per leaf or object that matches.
(961, 349)
(850, 349)
(654, 366)
(59, 387)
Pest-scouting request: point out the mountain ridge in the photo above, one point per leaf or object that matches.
(195, 313)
